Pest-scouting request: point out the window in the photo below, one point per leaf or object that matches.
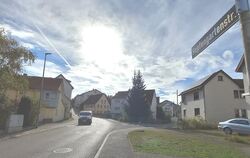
(244, 113)
(117, 108)
(184, 113)
(220, 78)
(50, 95)
(242, 122)
(196, 111)
(184, 100)
(236, 94)
(47, 95)
(196, 95)
(241, 92)
(236, 113)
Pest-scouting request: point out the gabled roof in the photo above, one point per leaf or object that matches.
(87, 92)
(93, 99)
(65, 79)
(200, 83)
(49, 83)
(121, 95)
(167, 102)
(124, 94)
(241, 63)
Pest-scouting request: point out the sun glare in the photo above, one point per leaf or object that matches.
(101, 44)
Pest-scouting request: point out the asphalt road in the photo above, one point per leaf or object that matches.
(59, 140)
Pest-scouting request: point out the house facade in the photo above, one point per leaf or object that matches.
(119, 101)
(79, 99)
(215, 98)
(242, 69)
(98, 104)
(67, 92)
(52, 99)
(170, 108)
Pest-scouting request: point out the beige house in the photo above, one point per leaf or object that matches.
(98, 104)
(216, 97)
(81, 98)
(53, 98)
(242, 68)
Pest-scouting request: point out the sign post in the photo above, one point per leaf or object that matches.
(244, 12)
(221, 26)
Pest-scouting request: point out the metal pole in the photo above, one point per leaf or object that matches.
(41, 90)
(177, 99)
(243, 10)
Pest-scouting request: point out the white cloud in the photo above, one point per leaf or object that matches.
(105, 43)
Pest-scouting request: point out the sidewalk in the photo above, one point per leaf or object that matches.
(118, 146)
(31, 130)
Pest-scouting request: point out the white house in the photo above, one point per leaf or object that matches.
(79, 99)
(170, 108)
(216, 97)
(242, 68)
(119, 101)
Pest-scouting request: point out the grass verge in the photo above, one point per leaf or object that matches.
(176, 144)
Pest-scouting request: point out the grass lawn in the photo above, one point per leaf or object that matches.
(178, 144)
(233, 138)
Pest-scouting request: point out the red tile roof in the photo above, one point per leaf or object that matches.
(49, 83)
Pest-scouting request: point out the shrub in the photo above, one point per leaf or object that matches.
(29, 108)
(6, 107)
(195, 123)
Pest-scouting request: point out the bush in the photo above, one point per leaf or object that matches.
(195, 123)
(6, 107)
(29, 108)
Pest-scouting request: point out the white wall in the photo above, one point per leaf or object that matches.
(153, 106)
(191, 104)
(118, 105)
(219, 99)
(246, 85)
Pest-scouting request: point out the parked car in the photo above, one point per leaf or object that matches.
(85, 117)
(237, 125)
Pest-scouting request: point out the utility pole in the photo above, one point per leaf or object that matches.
(41, 90)
(177, 99)
(242, 7)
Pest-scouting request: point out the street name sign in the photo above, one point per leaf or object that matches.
(227, 21)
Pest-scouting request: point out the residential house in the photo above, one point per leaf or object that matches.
(119, 101)
(98, 104)
(52, 108)
(170, 108)
(216, 97)
(52, 101)
(79, 99)
(67, 92)
(242, 68)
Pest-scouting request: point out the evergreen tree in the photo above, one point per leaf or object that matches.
(138, 109)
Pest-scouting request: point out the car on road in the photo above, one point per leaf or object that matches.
(85, 117)
(237, 125)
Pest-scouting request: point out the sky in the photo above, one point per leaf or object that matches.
(98, 44)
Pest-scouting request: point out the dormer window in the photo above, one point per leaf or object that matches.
(220, 78)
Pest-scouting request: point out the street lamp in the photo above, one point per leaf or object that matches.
(41, 90)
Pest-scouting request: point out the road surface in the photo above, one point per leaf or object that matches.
(59, 140)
